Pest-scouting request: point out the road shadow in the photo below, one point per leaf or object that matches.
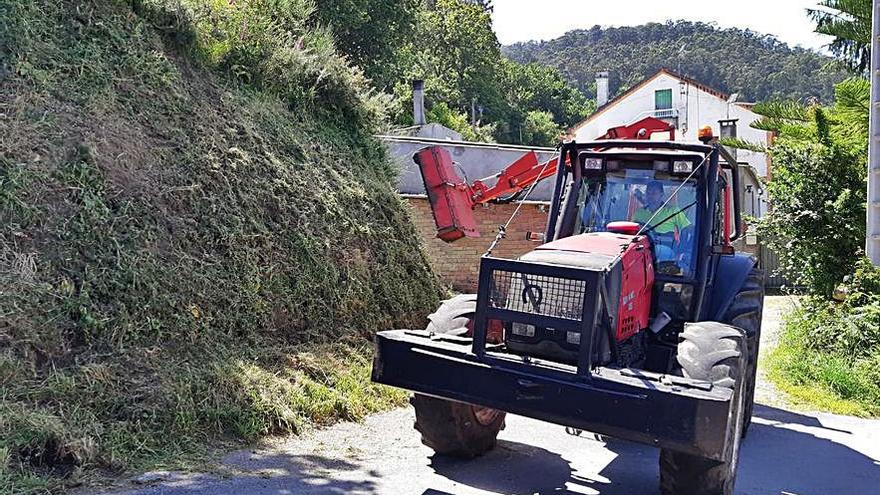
(785, 452)
(274, 474)
(519, 469)
(511, 468)
(777, 458)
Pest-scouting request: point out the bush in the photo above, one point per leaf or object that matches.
(851, 327)
(829, 351)
(817, 223)
(459, 122)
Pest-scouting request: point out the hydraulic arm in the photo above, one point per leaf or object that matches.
(452, 199)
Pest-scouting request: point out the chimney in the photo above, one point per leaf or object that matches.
(418, 87)
(728, 130)
(601, 88)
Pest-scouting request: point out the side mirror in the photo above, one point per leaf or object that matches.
(536, 236)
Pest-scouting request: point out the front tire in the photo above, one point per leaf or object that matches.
(449, 427)
(746, 312)
(716, 353)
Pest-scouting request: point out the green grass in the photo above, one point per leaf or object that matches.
(825, 382)
(176, 412)
(198, 236)
(828, 356)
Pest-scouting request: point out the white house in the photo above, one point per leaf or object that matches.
(683, 102)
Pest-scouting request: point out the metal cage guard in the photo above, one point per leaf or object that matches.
(532, 293)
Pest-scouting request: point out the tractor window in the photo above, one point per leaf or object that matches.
(645, 197)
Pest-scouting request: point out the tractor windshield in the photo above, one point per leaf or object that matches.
(648, 198)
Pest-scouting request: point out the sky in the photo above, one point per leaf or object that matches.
(524, 20)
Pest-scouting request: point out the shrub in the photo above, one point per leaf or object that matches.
(817, 223)
(851, 327)
(830, 350)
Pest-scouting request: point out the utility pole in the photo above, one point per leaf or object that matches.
(872, 247)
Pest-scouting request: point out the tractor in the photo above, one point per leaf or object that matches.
(634, 318)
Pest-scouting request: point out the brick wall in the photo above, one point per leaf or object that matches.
(458, 262)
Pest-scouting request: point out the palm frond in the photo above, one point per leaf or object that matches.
(742, 144)
(849, 21)
(853, 96)
(783, 110)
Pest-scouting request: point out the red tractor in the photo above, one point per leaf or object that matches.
(636, 319)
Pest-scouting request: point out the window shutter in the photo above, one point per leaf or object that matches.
(663, 99)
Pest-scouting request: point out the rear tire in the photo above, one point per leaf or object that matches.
(712, 352)
(449, 427)
(455, 428)
(745, 312)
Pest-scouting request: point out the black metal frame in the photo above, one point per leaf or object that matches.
(659, 410)
(591, 306)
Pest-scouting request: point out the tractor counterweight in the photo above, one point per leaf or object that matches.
(660, 410)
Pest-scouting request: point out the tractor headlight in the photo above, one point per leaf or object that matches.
(573, 338)
(523, 330)
(682, 166)
(593, 163)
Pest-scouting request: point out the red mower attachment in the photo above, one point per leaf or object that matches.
(449, 197)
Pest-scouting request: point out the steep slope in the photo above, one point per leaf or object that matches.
(198, 234)
(759, 67)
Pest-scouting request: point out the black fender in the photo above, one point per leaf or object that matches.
(730, 276)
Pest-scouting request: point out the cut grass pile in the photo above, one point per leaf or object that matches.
(198, 234)
(828, 355)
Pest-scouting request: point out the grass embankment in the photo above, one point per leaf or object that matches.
(198, 234)
(828, 355)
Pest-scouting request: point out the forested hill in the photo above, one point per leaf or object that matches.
(759, 67)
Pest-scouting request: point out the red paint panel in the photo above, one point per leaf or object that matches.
(450, 199)
(626, 228)
(636, 272)
(728, 214)
(637, 281)
(607, 243)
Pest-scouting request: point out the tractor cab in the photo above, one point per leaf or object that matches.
(662, 205)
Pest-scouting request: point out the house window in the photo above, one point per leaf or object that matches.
(663, 99)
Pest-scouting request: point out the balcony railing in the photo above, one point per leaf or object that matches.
(666, 113)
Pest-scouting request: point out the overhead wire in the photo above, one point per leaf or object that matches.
(502, 230)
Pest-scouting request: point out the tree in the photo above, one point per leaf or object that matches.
(817, 222)
(537, 88)
(457, 54)
(371, 32)
(758, 67)
(478, 91)
(849, 21)
(539, 129)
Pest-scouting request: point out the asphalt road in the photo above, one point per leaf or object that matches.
(785, 453)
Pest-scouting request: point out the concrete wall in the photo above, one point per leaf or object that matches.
(754, 197)
(475, 160)
(458, 263)
(695, 108)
